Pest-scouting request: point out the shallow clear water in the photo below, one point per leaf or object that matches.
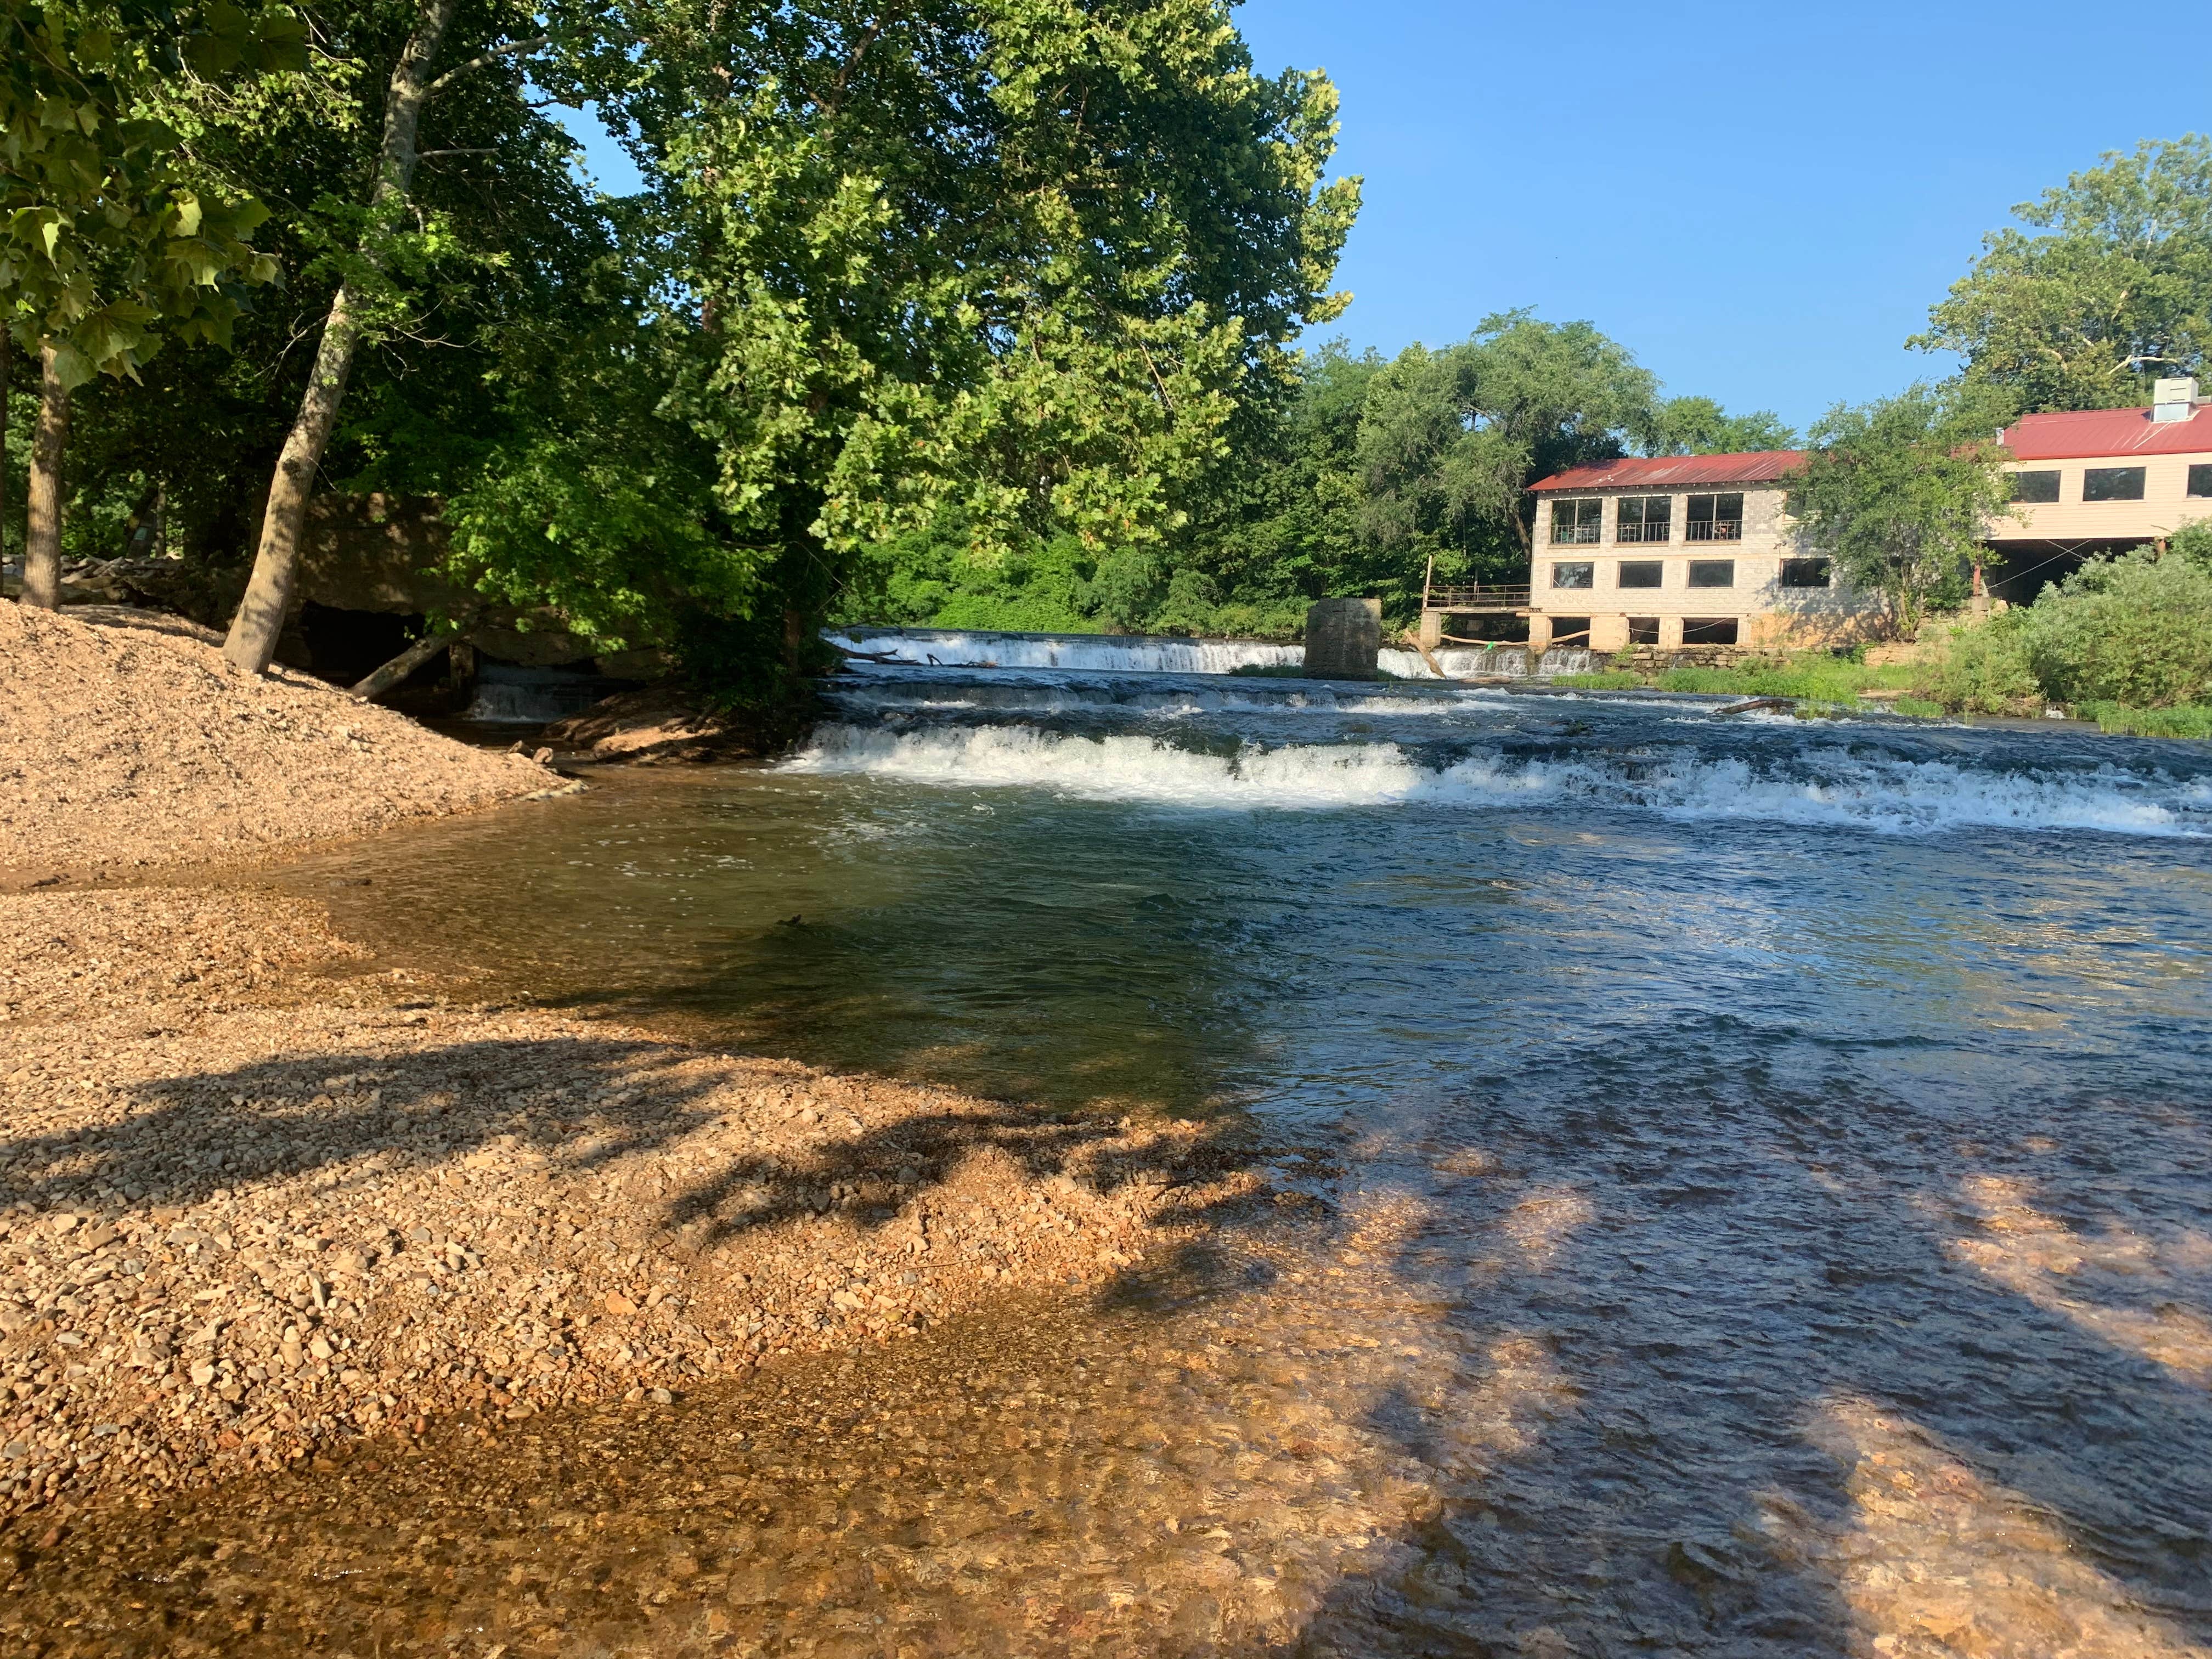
(1761, 1171)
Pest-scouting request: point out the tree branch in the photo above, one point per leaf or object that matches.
(430, 155)
(483, 58)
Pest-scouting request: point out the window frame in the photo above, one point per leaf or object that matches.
(1642, 625)
(1560, 638)
(1692, 625)
(2199, 472)
(2058, 482)
(1589, 514)
(1585, 569)
(1696, 565)
(1642, 523)
(2117, 474)
(1656, 566)
(1714, 519)
(1827, 568)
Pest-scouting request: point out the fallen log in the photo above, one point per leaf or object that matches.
(383, 679)
(1427, 656)
(1746, 706)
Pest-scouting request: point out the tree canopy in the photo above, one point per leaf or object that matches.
(1902, 492)
(2108, 288)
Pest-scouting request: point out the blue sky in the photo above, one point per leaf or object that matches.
(1761, 202)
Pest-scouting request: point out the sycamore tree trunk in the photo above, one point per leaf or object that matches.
(6, 362)
(42, 529)
(252, 644)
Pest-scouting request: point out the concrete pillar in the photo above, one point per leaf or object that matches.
(1432, 630)
(1343, 639)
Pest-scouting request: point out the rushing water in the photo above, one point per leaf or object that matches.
(1758, 1179)
(1158, 654)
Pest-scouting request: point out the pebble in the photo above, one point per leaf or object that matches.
(256, 1220)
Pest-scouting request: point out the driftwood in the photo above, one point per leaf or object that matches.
(377, 684)
(1746, 706)
(1427, 656)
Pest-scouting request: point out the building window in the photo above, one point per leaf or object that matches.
(2112, 484)
(1641, 572)
(1709, 630)
(1643, 519)
(1571, 630)
(1805, 573)
(2035, 486)
(2200, 479)
(1579, 573)
(1643, 630)
(1712, 573)
(1574, 523)
(1714, 519)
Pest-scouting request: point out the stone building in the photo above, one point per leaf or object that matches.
(1679, 551)
(2087, 481)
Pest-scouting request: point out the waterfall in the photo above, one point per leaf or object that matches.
(955, 648)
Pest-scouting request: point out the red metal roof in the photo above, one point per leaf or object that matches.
(2071, 434)
(1673, 471)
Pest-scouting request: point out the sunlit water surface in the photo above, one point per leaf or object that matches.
(1762, 1176)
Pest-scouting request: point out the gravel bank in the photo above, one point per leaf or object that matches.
(126, 741)
(248, 1210)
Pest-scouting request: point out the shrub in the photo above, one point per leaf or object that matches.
(2135, 630)
(2188, 721)
(1983, 671)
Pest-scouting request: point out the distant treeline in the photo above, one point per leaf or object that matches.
(976, 312)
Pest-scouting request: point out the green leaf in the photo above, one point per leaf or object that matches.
(71, 366)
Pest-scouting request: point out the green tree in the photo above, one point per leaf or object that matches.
(1699, 426)
(529, 290)
(1014, 266)
(113, 235)
(383, 253)
(1450, 440)
(2109, 288)
(1901, 493)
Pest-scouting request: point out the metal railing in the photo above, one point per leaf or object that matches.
(1479, 596)
(1627, 531)
(1712, 530)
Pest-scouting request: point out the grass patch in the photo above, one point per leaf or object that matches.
(2189, 719)
(1815, 677)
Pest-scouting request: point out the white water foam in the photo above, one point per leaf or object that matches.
(1125, 653)
(959, 648)
(1833, 787)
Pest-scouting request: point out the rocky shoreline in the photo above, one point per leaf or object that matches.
(246, 1213)
(257, 1200)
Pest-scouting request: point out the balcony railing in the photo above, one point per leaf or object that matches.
(1479, 596)
(1574, 535)
(1713, 530)
(1643, 533)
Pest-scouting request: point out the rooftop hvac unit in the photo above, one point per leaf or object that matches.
(2174, 399)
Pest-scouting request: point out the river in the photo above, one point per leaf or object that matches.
(1744, 1183)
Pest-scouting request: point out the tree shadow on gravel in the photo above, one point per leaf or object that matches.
(584, 1105)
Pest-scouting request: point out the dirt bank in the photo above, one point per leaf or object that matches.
(127, 741)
